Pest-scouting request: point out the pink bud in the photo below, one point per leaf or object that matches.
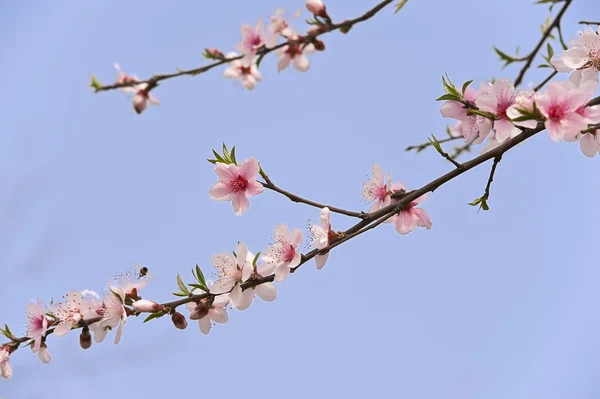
(317, 8)
(144, 305)
(85, 338)
(140, 101)
(179, 320)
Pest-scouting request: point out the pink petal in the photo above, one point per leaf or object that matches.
(405, 222)
(240, 203)
(218, 315)
(266, 291)
(422, 217)
(254, 188)
(204, 324)
(246, 299)
(221, 300)
(248, 169)
(236, 296)
(324, 218)
(320, 260)
(301, 63)
(220, 192)
(453, 109)
(281, 272)
(284, 63)
(589, 145)
(504, 130)
(63, 328)
(296, 237)
(226, 172)
(575, 58)
(282, 233)
(378, 175)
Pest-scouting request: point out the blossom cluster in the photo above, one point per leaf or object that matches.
(498, 112)
(256, 41)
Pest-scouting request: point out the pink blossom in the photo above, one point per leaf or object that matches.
(410, 217)
(248, 75)
(284, 253)
(123, 78)
(232, 272)
(252, 40)
(581, 76)
(470, 126)
(558, 104)
(236, 184)
(321, 235)
(524, 100)
(496, 101)
(294, 53)
(37, 324)
(114, 314)
(583, 52)
(590, 143)
(70, 312)
(5, 368)
(142, 97)
(207, 310)
(375, 189)
(317, 8)
(279, 26)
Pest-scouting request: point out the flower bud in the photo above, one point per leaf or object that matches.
(140, 102)
(85, 338)
(317, 8)
(319, 45)
(144, 305)
(179, 320)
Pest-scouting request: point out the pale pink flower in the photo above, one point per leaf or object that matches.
(321, 235)
(583, 52)
(279, 26)
(296, 54)
(69, 312)
(558, 104)
(316, 7)
(236, 184)
(252, 40)
(232, 272)
(470, 126)
(588, 86)
(496, 101)
(248, 75)
(208, 310)
(37, 324)
(142, 97)
(130, 282)
(590, 143)
(410, 217)
(581, 76)
(122, 78)
(284, 253)
(114, 314)
(5, 368)
(377, 190)
(524, 100)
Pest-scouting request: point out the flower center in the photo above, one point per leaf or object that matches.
(289, 253)
(293, 50)
(238, 184)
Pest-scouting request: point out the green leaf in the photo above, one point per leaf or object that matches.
(544, 66)
(399, 6)
(436, 144)
(154, 315)
(345, 28)
(179, 294)
(95, 84)
(476, 202)
(200, 275)
(465, 85)
(448, 97)
(182, 285)
(233, 155)
(225, 152)
(504, 57)
(255, 259)
(213, 161)
(218, 157)
(550, 51)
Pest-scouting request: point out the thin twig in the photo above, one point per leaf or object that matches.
(497, 160)
(537, 48)
(296, 198)
(589, 23)
(422, 146)
(548, 78)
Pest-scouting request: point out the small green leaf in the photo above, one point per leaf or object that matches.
(179, 294)
(436, 144)
(476, 202)
(233, 155)
(154, 315)
(544, 66)
(465, 85)
(255, 258)
(218, 157)
(399, 6)
(504, 57)
(200, 275)
(213, 161)
(182, 285)
(225, 152)
(95, 84)
(550, 50)
(484, 205)
(448, 97)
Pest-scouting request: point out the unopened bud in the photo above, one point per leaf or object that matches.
(140, 102)
(144, 305)
(85, 338)
(179, 320)
(319, 45)
(317, 8)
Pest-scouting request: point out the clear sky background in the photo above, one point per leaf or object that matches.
(498, 304)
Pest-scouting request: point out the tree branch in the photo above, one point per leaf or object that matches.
(537, 48)
(153, 81)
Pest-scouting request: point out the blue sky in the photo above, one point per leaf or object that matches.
(501, 304)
